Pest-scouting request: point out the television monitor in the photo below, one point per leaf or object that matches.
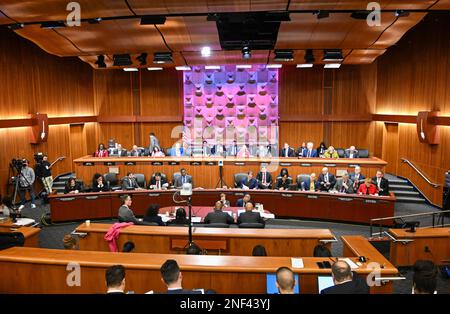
(324, 282)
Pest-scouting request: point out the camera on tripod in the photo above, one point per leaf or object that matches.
(18, 163)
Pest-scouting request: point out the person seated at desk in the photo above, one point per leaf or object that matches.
(264, 178)
(282, 183)
(119, 151)
(72, 186)
(285, 280)
(134, 152)
(156, 152)
(233, 149)
(357, 178)
(381, 183)
(183, 178)
(243, 152)
(177, 151)
(130, 182)
(152, 215)
(425, 277)
(345, 281)
(206, 149)
(115, 279)
(309, 152)
(331, 153)
(99, 184)
(287, 151)
(224, 201)
(172, 278)
(157, 182)
(310, 184)
(326, 180)
(218, 216)
(301, 149)
(243, 201)
(249, 183)
(101, 151)
(344, 185)
(264, 151)
(351, 152)
(125, 213)
(218, 150)
(368, 188)
(249, 216)
(180, 218)
(321, 150)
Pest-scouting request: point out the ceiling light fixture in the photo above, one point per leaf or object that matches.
(162, 57)
(332, 55)
(130, 69)
(206, 51)
(284, 55)
(183, 68)
(332, 66)
(246, 52)
(274, 66)
(122, 60)
(154, 68)
(243, 66)
(305, 65)
(212, 67)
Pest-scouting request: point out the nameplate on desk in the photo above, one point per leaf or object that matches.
(66, 199)
(285, 164)
(239, 194)
(195, 163)
(313, 196)
(154, 194)
(371, 201)
(88, 163)
(330, 165)
(157, 163)
(305, 165)
(174, 163)
(345, 199)
(239, 163)
(109, 163)
(353, 166)
(91, 197)
(286, 195)
(130, 163)
(211, 163)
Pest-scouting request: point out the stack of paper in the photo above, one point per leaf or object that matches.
(24, 222)
(349, 262)
(297, 262)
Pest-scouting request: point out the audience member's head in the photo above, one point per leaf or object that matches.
(322, 145)
(321, 250)
(286, 145)
(352, 148)
(193, 249)
(357, 169)
(135, 147)
(101, 146)
(331, 149)
(71, 182)
(152, 211)
(247, 198)
(303, 144)
(259, 250)
(248, 207)
(345, 176)
(180, 214)
(284, 171)
(126, 199)
(223, 197)
(250, 174)
(171, 275)
(218, 205)
(324, 170)
(69, 242)
(115, 278)
(379, 174)
(313, 176)
(128, 247)
(310, 145)
(425, 277)
(130, 175)
(285, 280)
(183, 171)
(367, 182)
(95, 177)
(263, 169)
(158, 175)
(341, 272)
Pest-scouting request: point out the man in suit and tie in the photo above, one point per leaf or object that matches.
(119, 151)
(232, 150)
(218, 216)
(301, 149)
(287, 151)
(183, 178)
(345, 281)
(351, 152)
(326, 180)
(381, 183)
(309, 152)
(243, 201)
(310, 184)
(134, 152)
(172, 278)
(206, 149)
(177, 150)
(344, 185)
(264, 179)
(158, 182)
(115, 279)
(130, 182)
(249, 216)
(249, 183)
(357, 178)
(154, 142)
(224, 201)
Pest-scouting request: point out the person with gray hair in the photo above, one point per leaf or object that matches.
(285, 280)
(344, 184)
(345, 281)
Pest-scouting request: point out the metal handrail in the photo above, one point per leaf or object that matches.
(435, 185)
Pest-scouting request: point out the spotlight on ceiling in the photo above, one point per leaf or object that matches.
(130, 69)
(97, 20)
(274, 66)
(305, 65)
(162, 57)
(16, 26)
(309, 57)
(183, 68)
(321, 14)
(206, 51)
(332, 66)
(246, 52)
(100, 61)
(153, 20)
(53, 24)
(122, 60)
(360, 15)
(332, 55)
(243, 66)
(284, 55)
(401, 13)
(142, 58)
(212, 67)
(154, 68)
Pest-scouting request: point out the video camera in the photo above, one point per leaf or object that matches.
(38, 157)
(18, 163)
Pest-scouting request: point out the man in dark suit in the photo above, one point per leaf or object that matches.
(326, 180)
(351, 152)
(301, 149)
(183, 178)
(218, 150)
(309, 152)
(243, 201)
(381, 183)
(249, 216)
(158, 182)
(134, 152)
(119, 151)
(130, 182)
(357, 178)
(115, 279)
(264, 178)
(233, 149)
(307, 186)
(172, 278)
(218, 216)
(345, 281)
(249, 183)
(287, 151)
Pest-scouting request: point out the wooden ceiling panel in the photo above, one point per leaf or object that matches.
(4, 19)
(226, 57)
(54, 10)
(363, 56)
(442, 5)
(269, 5)
(359, 4)
(176, 57)
(296, 34)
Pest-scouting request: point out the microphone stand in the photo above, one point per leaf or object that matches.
(189, 201)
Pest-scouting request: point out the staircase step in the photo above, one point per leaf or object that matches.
(407, 199)
(398, 181)
(395, 187)
(406, 193)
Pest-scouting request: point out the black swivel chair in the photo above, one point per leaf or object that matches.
(140, 178)
(11, 239)
(238, 177)
(215, 225)
(341, 152)
(363, 153)
(301, 178)
(112, 180)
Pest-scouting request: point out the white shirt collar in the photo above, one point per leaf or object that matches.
(115, 290)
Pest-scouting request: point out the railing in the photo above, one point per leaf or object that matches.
(435, 185)
(433, 214)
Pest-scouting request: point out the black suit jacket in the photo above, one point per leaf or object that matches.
(183, 291)
(250, 217)
(153, 181)
(384, 186)
(284, 185)
(259, 177)
(357, 286)
(291, 152)
(156, 219)
(218, 216)
(331, 180)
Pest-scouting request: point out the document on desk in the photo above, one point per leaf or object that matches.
(349, 262)
(196, 219)
(24, 222)
(297, 262)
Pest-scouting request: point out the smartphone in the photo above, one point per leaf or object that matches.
(321, 265)
(326, 264)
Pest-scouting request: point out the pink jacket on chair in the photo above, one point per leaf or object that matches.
(113, 234)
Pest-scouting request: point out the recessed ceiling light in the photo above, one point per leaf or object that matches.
(206, 51)
(183, 68)
(154, 68)
(212, 67)
(130, 69)
(273, 66)
(244, 66)
(305, 65)
(332, 66)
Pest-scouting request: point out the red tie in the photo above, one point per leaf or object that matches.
(264, 177)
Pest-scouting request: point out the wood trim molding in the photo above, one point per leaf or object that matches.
(327, 118)
(71, 120)
(121, 119)
(394, 118)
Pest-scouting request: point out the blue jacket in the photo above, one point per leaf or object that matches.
(313, 153)
(305, 185)
(252, 184)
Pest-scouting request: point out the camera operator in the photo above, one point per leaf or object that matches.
(26, 180)
(43, 171)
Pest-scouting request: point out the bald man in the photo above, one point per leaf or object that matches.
(326, 180)
(345, 281)
(285, 280)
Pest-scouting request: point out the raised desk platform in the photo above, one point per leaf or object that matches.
(205, 171)
(232, 241)
(295, 204)
(221, 273)
(426, 243)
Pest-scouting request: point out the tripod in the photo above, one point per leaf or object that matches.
(221, 182)
(17, 183)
